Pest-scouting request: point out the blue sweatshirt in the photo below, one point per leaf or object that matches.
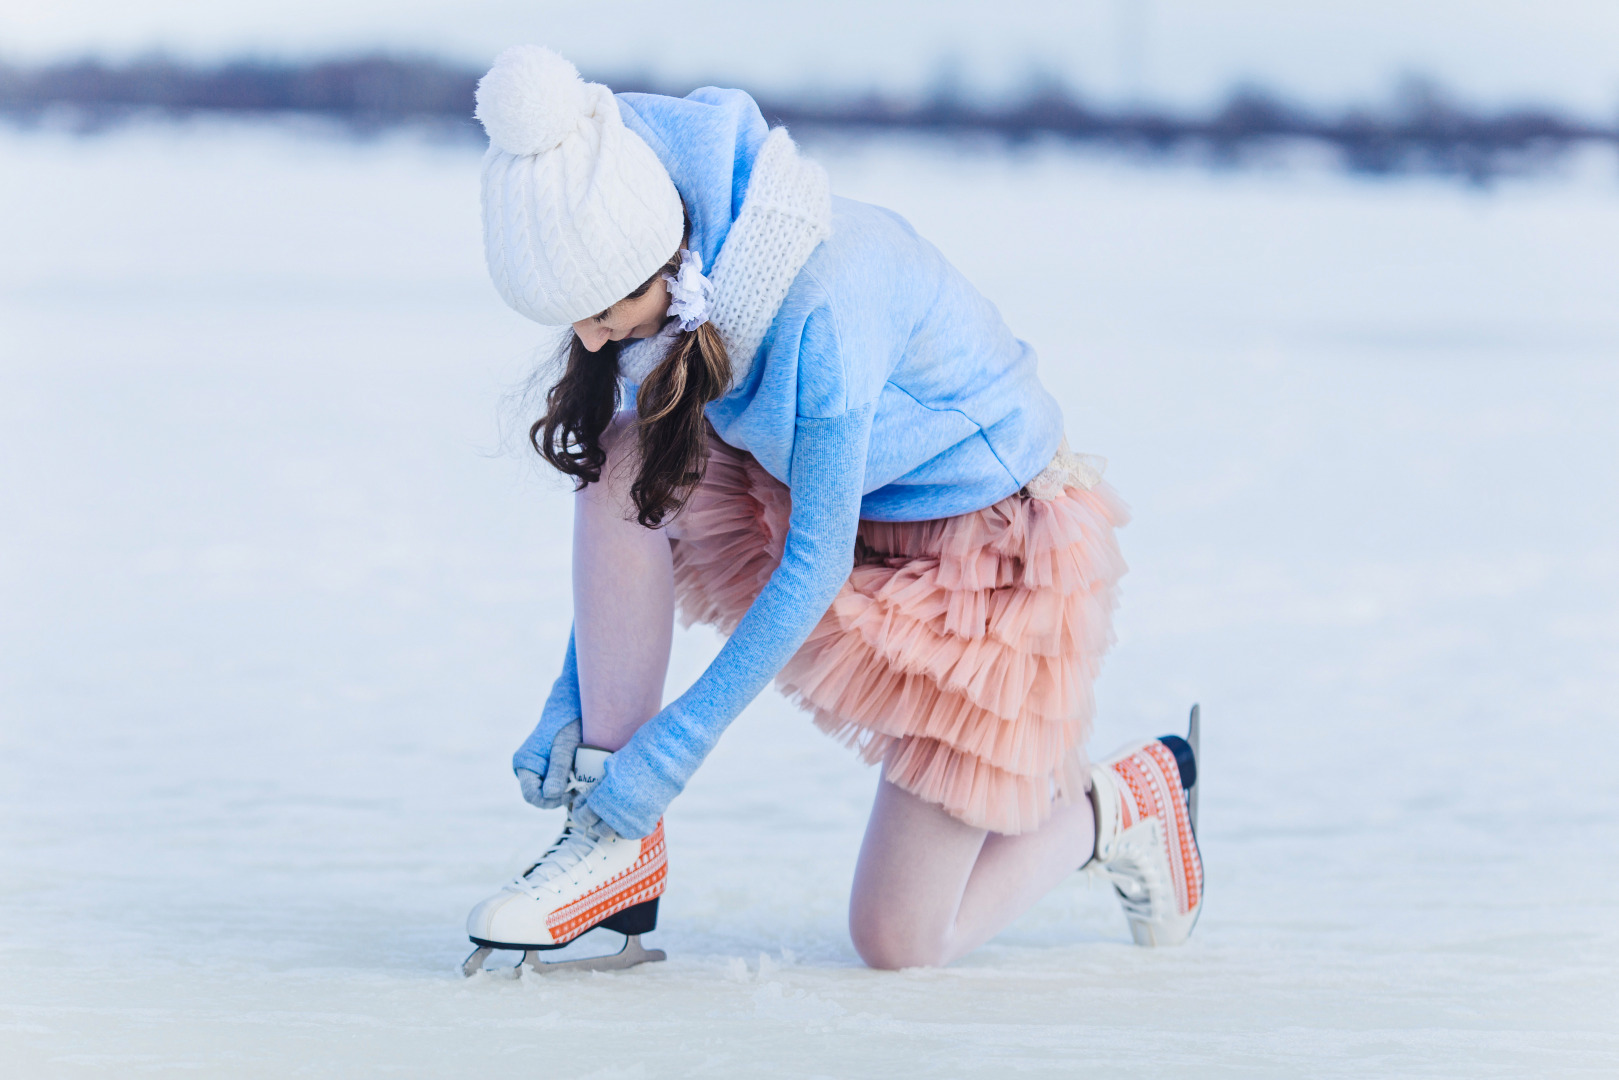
(886, 387)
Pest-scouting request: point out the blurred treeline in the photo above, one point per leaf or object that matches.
(1419, 129)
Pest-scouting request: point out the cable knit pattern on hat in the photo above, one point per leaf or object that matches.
(577, 210)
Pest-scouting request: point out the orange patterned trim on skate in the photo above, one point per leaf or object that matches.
(641, 882)
(1155, 791)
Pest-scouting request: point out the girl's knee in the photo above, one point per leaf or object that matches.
(889, 940)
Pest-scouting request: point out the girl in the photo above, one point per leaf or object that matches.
(838, 454)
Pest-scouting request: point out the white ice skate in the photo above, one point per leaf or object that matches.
(1146, 835)
(589, 877)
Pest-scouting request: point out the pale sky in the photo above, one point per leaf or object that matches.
(1181, 51)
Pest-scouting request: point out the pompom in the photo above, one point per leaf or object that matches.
(531, 100)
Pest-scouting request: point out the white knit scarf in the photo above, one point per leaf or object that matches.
(785, 214)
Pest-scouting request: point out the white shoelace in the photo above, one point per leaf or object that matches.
(570, 849)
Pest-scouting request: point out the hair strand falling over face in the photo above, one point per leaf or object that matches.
(671, 429)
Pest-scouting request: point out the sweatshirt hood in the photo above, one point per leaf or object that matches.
(708, 141)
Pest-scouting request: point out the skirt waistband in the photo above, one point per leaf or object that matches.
(1067, 470)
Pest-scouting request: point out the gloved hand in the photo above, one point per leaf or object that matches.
(535, 757)
(585, 819)
(643, 777)
(550, 791)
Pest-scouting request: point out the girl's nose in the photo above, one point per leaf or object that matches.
(592, 334)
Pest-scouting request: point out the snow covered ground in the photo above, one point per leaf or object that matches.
(277, 602)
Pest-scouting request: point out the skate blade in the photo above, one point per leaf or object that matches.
(632, 954)
(474, 963)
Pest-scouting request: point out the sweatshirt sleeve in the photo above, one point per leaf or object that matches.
(825, 478)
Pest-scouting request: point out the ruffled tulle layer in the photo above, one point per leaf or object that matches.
(962, 650)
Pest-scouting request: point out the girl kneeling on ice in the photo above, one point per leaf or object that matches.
(840, 456)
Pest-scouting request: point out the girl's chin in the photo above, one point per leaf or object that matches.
(649, 330)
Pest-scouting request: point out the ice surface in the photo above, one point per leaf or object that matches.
(277, 608)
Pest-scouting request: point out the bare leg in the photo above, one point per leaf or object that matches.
(929, 889)
(623, 601)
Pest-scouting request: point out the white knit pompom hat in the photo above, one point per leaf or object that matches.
(578, 211)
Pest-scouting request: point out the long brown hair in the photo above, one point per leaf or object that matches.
(671, 433)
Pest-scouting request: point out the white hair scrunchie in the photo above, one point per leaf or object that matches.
(691, 295)
(691, 304)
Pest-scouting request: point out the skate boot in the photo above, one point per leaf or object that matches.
(1146, 839)
(589, 877)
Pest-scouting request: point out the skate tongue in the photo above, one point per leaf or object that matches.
(589, 765)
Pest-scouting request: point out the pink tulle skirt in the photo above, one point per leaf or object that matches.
(961, 651)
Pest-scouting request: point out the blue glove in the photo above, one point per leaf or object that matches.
(644, 777)
(549, 790)
(554, 739)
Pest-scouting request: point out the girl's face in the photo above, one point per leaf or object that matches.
(639, 317)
